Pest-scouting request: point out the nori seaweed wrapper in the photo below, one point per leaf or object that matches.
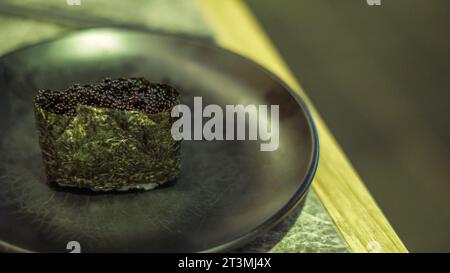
(114, 135)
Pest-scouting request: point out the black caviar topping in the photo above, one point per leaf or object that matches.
(123, 94)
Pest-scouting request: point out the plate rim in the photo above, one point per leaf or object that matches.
(298, 197)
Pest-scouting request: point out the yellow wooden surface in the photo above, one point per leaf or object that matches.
(350, 205)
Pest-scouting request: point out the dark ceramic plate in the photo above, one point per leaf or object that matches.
(228, 192)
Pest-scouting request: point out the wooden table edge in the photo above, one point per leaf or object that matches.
(342, 192)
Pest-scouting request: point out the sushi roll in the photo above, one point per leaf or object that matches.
(114, 135)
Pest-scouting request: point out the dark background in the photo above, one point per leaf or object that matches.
(380, 77)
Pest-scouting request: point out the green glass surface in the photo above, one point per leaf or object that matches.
(307, 229)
